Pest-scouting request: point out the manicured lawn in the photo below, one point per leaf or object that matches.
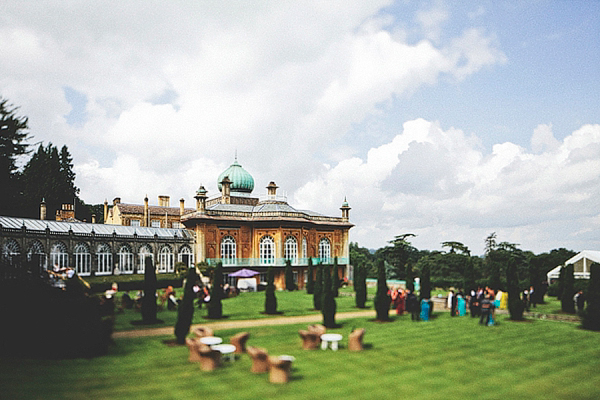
(245, 306)
(446, 358)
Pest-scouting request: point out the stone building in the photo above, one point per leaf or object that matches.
(161, 216)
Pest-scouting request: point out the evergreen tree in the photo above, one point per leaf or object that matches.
(318, 290)
(566, 299)
(270, 299)
(310, 281)
(382, 299)
(335, 279)
(328, 302)
(185, 310)
(425, 290)
(360, 286)
(515, 304)
(591, 314)
(149, 300)
(410, 278)
(561, 282)
(215, 306)
(13, 137)
(289, 276)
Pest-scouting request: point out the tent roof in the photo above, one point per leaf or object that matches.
(591, 255)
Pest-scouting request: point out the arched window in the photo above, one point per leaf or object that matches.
(186, 256)
(36, 250)
(11, 251)
(267, 250)
(83, 259)
(228, 253)
(59, 256)
(290, 252)
(125, 259)
(145, 251)
(324, 250)
(104, 257)
(304, 247)
(165, 260)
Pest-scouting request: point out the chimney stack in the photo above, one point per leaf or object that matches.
(164, 201)
(181, 207)
(226, 191)
(146, 216)
(201, 199)
(43, 210)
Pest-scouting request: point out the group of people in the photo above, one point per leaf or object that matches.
(482, 303)
(406, 300)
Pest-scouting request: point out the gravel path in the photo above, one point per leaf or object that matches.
(218, 325)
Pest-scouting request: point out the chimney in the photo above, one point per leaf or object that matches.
(201, 199)
(93, 218)
(105, 210)
(226, 191)
(164, 201)
(146, 216)
(116, 200)
(43, 210)
(272, 190)
(181, 207)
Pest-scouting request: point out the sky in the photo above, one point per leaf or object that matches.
(447, 120)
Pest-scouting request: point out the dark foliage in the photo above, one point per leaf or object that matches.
(335, 278)
(515, 304)
(561, 283)
(149, 300)
(360, 286)
(566, 299)
(328, 303)
(215, 305)
(310, 281)
(289, 276)
(425, 291)
(185, 310)
(591, 314)
(410, 278)
(382, 299)
(270, 299)
(318, 290)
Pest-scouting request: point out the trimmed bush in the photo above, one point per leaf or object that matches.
(515, 304)
(289, 276)
(360, 286)
(215, 307)
(328, 303)
(410, 278)
(149, 300)
(270, 299)
(310, 281)
(382, 299)
(335, 279)
(185, 310)
(318, 290)
(568, 290)
(591, 314)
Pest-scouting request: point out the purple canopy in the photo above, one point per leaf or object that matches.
(244, 273)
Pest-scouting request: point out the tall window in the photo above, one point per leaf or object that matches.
(290, 252)
(135, 222)
(186, 256)
(228, 253)
(37, 251)
(104, 257)
(165, 262)
(304, 247)
(145, 251)
(267, 250)
(324, 250)
(11, 251)
(125, 260)
(83, 259)
(59, 256)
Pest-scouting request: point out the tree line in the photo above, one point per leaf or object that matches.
(46, 176)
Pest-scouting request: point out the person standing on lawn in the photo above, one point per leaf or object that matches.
(486, 309)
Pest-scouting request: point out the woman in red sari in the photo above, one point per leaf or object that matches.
(400, 302)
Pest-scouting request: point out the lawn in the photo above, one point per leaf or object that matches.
(246, 306)
(445, 358)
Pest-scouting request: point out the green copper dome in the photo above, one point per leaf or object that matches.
(241, 180)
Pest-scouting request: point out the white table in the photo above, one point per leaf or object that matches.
(225, 349)
(211, 340)
(332, 338)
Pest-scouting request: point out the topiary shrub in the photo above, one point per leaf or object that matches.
(382, 299)
(310, 281)
(335, 279)
(318, 290)
(328, 303)
(215, 306)
(360, 286)
(568, 291)
(591, 314)
(149, 299)
(515, 304)
(289, 276)
(185, 310)
(270, 299)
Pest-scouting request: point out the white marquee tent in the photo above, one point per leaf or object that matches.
(581, 265)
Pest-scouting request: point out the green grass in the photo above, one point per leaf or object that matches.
(244, 306)
(445, 358)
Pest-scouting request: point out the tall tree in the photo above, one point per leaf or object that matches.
(382, 299)
(13, 144)
(310, 279)
(149, 299)
(335, 279)
(329, 306)
(410, 278)
(515, 304)
(399, 254)
(215, 306)
(318, 290)
(566, 300)
(185, 310)
(591, 315)
(289, 276)
(270, 299)
(360, 285)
